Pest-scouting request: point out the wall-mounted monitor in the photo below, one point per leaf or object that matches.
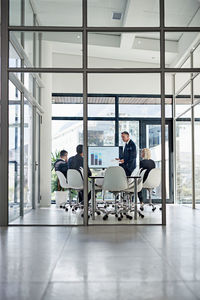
(103, 157)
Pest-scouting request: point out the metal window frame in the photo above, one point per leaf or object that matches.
(5, 29)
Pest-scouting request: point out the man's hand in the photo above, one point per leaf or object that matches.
(121, 161)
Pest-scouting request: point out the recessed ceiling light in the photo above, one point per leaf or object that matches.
(116, 15)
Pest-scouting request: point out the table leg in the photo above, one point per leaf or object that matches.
(93, 199)
(70, 197)
(136, 197)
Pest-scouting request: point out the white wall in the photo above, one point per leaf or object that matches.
(106, 83)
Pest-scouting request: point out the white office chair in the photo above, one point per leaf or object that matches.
(64, 185)
(153, 181)
(131, 189)
(115, 181)
(75, 180)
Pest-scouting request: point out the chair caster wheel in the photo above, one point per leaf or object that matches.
(153, 209)
(160, 208)
(105, 206)
(66, 209)
(88, 217)
(119, 219)
(98, 213)
(141, 208)
(76, 208)
(113, 205)
(116, 215)
(105, 217)
(130, 217)
(141, 215)
(81, 215)
(72, 209)
(61, 206)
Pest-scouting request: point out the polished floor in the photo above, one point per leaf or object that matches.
(56, 216)
(113, 262)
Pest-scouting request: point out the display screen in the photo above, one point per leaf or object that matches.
(103, 157)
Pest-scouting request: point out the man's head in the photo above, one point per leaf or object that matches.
(79, 150)
(64, 154)
(125, 136)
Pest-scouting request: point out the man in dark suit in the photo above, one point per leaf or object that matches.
(76, 163)
(61, 164)
(128, 156)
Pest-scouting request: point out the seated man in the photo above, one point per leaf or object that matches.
(76, 163)
(61, 164)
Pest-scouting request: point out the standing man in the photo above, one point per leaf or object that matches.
(128, 157)
(61, 164)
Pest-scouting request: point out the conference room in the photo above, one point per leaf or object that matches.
(73, 85)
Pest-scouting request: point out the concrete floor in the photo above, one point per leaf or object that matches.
(114, 262)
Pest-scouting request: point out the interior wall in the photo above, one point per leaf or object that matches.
(106, 83)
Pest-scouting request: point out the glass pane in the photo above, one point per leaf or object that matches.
(59, 13)
(101, 110)
(197, 155)
(143, 107)
(133, 128)
(153, 142)
(196, 57)
(15, 12)
(182, 13)
(183, 162)
(123, 50)
(14, 157)
(67, 110)
(177, 46)
(101, 133)
(123, 13)
(183, 102)
(49, 49)
(28, 12)
(126, 86)
(14, 59)
(28, 163)
(66, 135)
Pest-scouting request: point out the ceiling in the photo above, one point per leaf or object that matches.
(132, 47)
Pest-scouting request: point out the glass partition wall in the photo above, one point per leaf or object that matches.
(90, 48)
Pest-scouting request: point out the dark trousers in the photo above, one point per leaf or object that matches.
(140, 196)
(80, 196)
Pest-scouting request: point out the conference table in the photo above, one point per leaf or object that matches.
(93, 197)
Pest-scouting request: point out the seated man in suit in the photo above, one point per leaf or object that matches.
(128, 156)
(76, 162)
(61, 164)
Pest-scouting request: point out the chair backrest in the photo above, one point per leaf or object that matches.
(62, 179)
(74, 179)
(153, 179)
(115, 179)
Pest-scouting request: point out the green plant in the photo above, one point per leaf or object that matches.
(54, 179)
